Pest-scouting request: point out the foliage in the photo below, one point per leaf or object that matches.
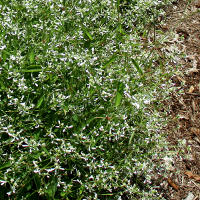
(75, 119)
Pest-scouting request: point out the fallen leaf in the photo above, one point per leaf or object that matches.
(164, 28)
(197, 5)
(183, 33)
(195, 131)
(194, 107)
(183, 117)
(199, 87)
(171, 183)
(192, 70)
(194, 94)
(108, 118)
(191, 90)
(181, 101)
(181, 79)
(192, 176)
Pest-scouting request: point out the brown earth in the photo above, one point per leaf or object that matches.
(183, 181)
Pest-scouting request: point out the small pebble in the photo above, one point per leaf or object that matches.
(190, 196)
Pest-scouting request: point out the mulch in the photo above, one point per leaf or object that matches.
(183, 182)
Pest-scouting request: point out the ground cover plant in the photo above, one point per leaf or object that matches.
(76, 93)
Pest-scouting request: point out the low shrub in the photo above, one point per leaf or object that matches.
(76, 119)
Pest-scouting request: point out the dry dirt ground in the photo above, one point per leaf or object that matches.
(183, 182)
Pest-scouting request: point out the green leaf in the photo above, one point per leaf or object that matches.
(75, 118)
(40, 101)
(45, 150)
(29, 186)
(32, 57)
(2, 85)
(89, 35)
(119, 94)
(51, 189)
(112, 59)
(31, 70)
(109, 194)
(5, 55)
(137, 67)
(6, 165)
(63, 194)
(37, 181)
(118, 4)
(118, 99)
(131, 138)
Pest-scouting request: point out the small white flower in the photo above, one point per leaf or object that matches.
(3, 182)
(50, 170)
